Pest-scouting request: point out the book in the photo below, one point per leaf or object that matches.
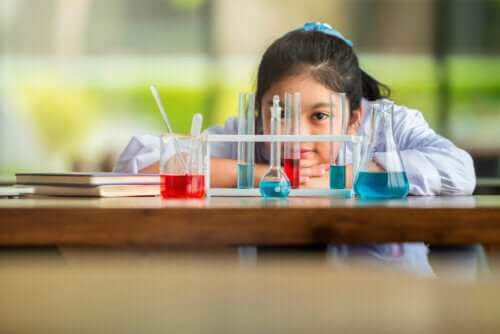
(15, 191)
(110, 190)
(89, 179)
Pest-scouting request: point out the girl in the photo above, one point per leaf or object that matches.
(317, 60)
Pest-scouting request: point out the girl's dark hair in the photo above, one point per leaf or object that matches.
(328, 59)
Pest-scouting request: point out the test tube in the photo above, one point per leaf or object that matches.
(339, 116)
(246, 126)
(293, 110)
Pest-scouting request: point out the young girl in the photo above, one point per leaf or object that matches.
(317, 60)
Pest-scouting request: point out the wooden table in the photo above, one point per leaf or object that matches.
(247, 221)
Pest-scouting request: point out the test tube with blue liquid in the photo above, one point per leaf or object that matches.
(246, 126)
(381, 151)
(339, 117)
(275, 183)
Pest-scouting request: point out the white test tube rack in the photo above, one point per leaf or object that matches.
(236, 192)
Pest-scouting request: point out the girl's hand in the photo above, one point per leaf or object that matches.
(312, 168)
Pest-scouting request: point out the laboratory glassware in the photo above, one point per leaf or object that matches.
(182, 166)
(381, 150)
(339, 117)
(275, 183)
(291, 159)
(246, 156)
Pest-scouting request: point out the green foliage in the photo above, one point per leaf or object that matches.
(63, 113)
(136, 101)
(188, 5)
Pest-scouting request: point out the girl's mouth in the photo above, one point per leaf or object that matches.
(306, 153)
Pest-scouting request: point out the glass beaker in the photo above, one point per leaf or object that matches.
(182, 166)
(246, 156)
(380, 150)
(339, 118)
(291, 159)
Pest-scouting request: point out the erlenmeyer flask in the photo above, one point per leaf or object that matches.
(275, 183)
(380, 149)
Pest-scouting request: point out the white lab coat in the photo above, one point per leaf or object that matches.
(434, 166)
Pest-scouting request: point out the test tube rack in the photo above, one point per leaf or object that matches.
(235, 192)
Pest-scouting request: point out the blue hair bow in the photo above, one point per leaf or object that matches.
(325, 29)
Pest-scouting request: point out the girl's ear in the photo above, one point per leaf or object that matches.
(355, 122)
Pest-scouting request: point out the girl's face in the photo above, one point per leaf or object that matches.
(315, 119)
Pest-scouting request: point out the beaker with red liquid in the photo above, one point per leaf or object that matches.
(182, 186)
(182, 167)
(292, 149)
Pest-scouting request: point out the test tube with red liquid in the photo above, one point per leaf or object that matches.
(182, 167)
(292, 127)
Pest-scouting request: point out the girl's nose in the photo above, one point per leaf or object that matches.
(305, 128)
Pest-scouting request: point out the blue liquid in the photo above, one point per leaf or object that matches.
(337, 177)
(275, 189)
(381, 185)
(245, 176)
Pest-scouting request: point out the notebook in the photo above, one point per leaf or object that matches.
(112, 190)
(89, 179)
(15, 191)
(91, 184)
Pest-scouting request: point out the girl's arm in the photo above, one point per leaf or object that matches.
(435, 166)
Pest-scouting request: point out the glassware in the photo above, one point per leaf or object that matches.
(182, 166)
(275, 183)
(339, 117)
(246, 156)
(381, 150)
(292, 127)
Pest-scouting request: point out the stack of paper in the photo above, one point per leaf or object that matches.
(91, 184)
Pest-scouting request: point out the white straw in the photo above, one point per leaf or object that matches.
(163, 113)
(157, 97)
(196, 124)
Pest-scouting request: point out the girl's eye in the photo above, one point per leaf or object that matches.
(320, 116)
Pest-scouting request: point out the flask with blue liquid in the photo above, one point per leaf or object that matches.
(380, 149)
(275, 183)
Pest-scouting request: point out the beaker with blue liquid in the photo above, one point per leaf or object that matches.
(380, 151)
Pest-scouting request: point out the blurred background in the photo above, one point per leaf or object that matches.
(74, 75)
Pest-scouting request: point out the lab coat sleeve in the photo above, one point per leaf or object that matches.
(224, 150)
(141, 152)
(434, 165)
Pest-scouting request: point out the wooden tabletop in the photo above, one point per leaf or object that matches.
(247, 221)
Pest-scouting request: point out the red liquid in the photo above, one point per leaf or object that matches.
(182, 186)
(292, 170)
